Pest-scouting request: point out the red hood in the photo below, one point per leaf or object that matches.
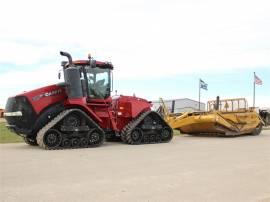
(43, 97)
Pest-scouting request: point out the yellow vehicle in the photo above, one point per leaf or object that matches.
(230, 117)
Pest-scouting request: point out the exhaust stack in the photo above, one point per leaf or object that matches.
(67, 55)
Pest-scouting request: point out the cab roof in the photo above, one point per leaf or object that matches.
(105, 65)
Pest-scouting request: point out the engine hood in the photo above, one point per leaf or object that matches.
(43, 97)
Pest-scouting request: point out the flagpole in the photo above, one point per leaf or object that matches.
(254, 90)
(199, 94)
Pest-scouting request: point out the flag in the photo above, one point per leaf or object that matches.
(203, 85)
(257, 80)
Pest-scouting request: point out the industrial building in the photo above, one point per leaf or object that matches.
(180, 105)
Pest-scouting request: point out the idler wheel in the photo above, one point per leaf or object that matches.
(75, 142)
(95, 137)
(66, 143)
(83, 142)
(152, 138)
(136, 136)
(166, 134)
(52, 138)
(146, 138)
(158, 138)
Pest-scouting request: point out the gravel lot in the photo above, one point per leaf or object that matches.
(187, 169)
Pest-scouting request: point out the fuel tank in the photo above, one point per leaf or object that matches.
(130, 106)
(127, 108)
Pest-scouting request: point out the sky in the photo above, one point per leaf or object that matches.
(158, 48)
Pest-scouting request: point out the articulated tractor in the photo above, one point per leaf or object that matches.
(80, 112)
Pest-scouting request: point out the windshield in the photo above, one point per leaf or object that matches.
(98, 82)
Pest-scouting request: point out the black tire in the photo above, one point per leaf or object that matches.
(135, 137)
(158, 138)
(257, 130)
(152, 138)
(83, 142)
(52, 138)
(166, 134)
(75, 142)
(30, 141)
(146, 138)
(66, 143)
(96, 137)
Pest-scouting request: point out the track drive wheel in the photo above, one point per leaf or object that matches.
(30, 141)
(52, 139)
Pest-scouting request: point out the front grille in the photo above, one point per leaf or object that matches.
(20, 103)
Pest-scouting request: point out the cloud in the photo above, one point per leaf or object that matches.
(143, 39)
(23, 54)
(152, 38)
(15, 82)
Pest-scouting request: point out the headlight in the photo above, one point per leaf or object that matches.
(18, 113)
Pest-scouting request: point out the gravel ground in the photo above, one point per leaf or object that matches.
(187, 169)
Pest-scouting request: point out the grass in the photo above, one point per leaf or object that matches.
(176, 132)
(7, 136)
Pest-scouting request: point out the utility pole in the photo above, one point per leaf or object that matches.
(199, 94)
(254, 90)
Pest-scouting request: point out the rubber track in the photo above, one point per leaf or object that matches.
(125, 135)
(54, 121)
(131, 125)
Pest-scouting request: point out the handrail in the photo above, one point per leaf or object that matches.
(164, 107)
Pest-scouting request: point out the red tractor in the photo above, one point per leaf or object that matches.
(81, 113)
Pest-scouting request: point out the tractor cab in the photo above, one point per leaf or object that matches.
(87, 78)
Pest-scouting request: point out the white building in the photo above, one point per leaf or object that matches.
(180, 105)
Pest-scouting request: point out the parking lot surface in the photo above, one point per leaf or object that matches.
(187, 169)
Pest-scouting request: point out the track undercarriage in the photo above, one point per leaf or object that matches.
(148, 128)
(73, 128)
(70, 129)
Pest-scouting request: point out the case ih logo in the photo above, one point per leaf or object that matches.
(47, 94)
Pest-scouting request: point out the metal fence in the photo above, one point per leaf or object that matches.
(180, 105)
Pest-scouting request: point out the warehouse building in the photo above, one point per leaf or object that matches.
(180, 105)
